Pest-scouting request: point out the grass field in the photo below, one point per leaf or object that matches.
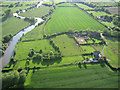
(65, 4)
(112, 52)
(94, 76)
(85, 7)
(87, 49)
(37, 12)
(23, 48)
(13, 25)
(98, 13)
(36, 33)
(65, 18)
(67, 45)
(108, 23)
(14, 9)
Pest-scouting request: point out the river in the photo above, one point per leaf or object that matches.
(10, 50)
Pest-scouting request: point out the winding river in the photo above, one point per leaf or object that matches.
(10, 50)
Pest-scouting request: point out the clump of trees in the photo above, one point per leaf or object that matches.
(6, 15)
(7, 38)
(13, 78)
(30, 20)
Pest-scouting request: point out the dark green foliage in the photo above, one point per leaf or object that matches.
(22, 76)
(7, 38)
(10, 79)
(31, 53)
(1, 52)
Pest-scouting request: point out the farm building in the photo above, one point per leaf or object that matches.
(96, 54)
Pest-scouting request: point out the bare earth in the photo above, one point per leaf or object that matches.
(81, 40)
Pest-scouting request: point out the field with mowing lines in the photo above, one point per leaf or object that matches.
(94, 76)
(23, 48)
(13, 25)
(85, 7)
(67, 18)
(37, 12)
(67, 45)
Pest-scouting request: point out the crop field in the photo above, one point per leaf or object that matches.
(85, 7)
(67, 45)
(114, 52)
(13, 25)
(66, 18)
(23, 48)
(98, 13)
(72, 77)
(37, 12)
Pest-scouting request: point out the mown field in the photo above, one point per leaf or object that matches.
(94, 76)
(37, 12)
(13, 25)
(71, 18)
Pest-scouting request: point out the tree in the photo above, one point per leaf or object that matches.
(22, 76)
(10, 79)
(38, 56)
(40, 51)
(51, 53)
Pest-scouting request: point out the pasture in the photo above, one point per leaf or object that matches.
(98, 13)
(68, 46)
(112, 52)
(85, 7)
(94, 76)
(23, 48)
(71, 18)
(37, 12)
(13, 25)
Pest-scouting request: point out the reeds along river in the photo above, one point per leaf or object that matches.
(10, 50)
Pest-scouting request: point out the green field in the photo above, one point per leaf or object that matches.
(23, 48)
(72, 77)
(108, 23)
(67, 18)
(87, 49)
(85, 7)
(98, 13)
(14, 9)
(67, 45)
(37, 12)
(36, 33)
(112, 52)
(13, 25)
